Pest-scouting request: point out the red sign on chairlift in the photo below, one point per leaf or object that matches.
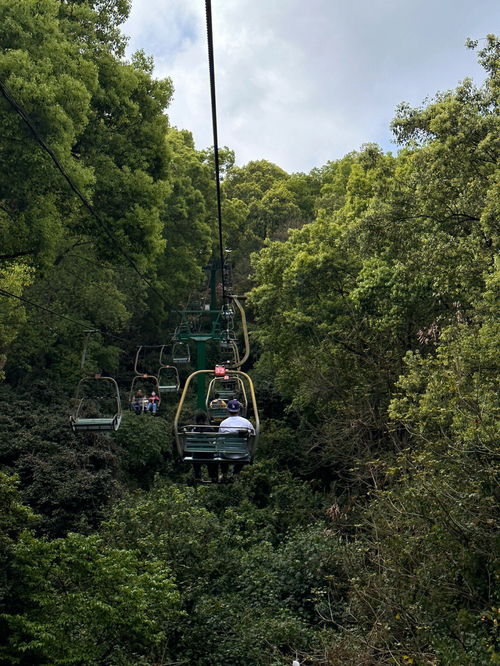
(220, 371)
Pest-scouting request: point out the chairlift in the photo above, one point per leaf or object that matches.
(147, 358)
(227, 341)
(168, 379)
(147, 384)
(97, 405)
(231, 355)
(181, 352)
(210, 446)
(227, 313)
(227, 387)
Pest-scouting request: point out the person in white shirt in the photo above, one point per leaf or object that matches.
(234, 424)
(234, 421)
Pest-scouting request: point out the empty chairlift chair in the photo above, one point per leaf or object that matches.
(181, 353)
(168, 379)
(97, 405)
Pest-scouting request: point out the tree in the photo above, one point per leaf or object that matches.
(82, 601)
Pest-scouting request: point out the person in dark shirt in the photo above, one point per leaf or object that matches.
(202, 425)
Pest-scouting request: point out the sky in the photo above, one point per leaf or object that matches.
(303, 82)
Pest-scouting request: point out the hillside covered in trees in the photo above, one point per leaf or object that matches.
(366, 530)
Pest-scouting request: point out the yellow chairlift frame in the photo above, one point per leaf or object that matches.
(218, 445)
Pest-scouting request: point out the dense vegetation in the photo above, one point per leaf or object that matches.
(365, 531)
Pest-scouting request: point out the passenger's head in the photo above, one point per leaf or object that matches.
(233, 407)
(201, 417)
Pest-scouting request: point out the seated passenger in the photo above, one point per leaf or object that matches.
(234, 421)
(138, 402)
(217, 402)
(154, 401)
(234, 424)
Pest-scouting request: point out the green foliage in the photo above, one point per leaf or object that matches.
(14, 518)
(264, 202)
(69, 481)
(251, 577)
(378, 325)
(104, 120)
(84, 602)
(147, 445)
(13, 281)
(427, 584)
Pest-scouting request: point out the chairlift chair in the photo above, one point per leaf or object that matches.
(181, 353)
(87, 415)
(145, 382)
(227, 341)
(148, 358)
(236, 448)
(227, 387)
(168, 379)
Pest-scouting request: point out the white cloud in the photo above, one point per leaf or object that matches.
(303, 83)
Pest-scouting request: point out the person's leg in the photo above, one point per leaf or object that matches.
(224, 468)
(237, 467)
(213, 471)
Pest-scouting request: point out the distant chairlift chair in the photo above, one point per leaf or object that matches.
(87, 413)
(181, 353)
(168, 379)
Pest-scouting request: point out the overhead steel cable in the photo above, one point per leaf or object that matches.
(211, 67)
(27, 120)
(61, 316)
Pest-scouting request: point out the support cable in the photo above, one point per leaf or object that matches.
(211, 67)
(61, 316)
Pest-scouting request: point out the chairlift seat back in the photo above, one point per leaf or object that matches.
(217, 413)
(222, 446)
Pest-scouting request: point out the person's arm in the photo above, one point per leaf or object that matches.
(251, 429)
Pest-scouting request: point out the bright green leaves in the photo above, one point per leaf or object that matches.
(13, 279)
(53, 82)
(89, 603)
(378, 325)
(452, 397)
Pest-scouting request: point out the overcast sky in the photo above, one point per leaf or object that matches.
(302, 82)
